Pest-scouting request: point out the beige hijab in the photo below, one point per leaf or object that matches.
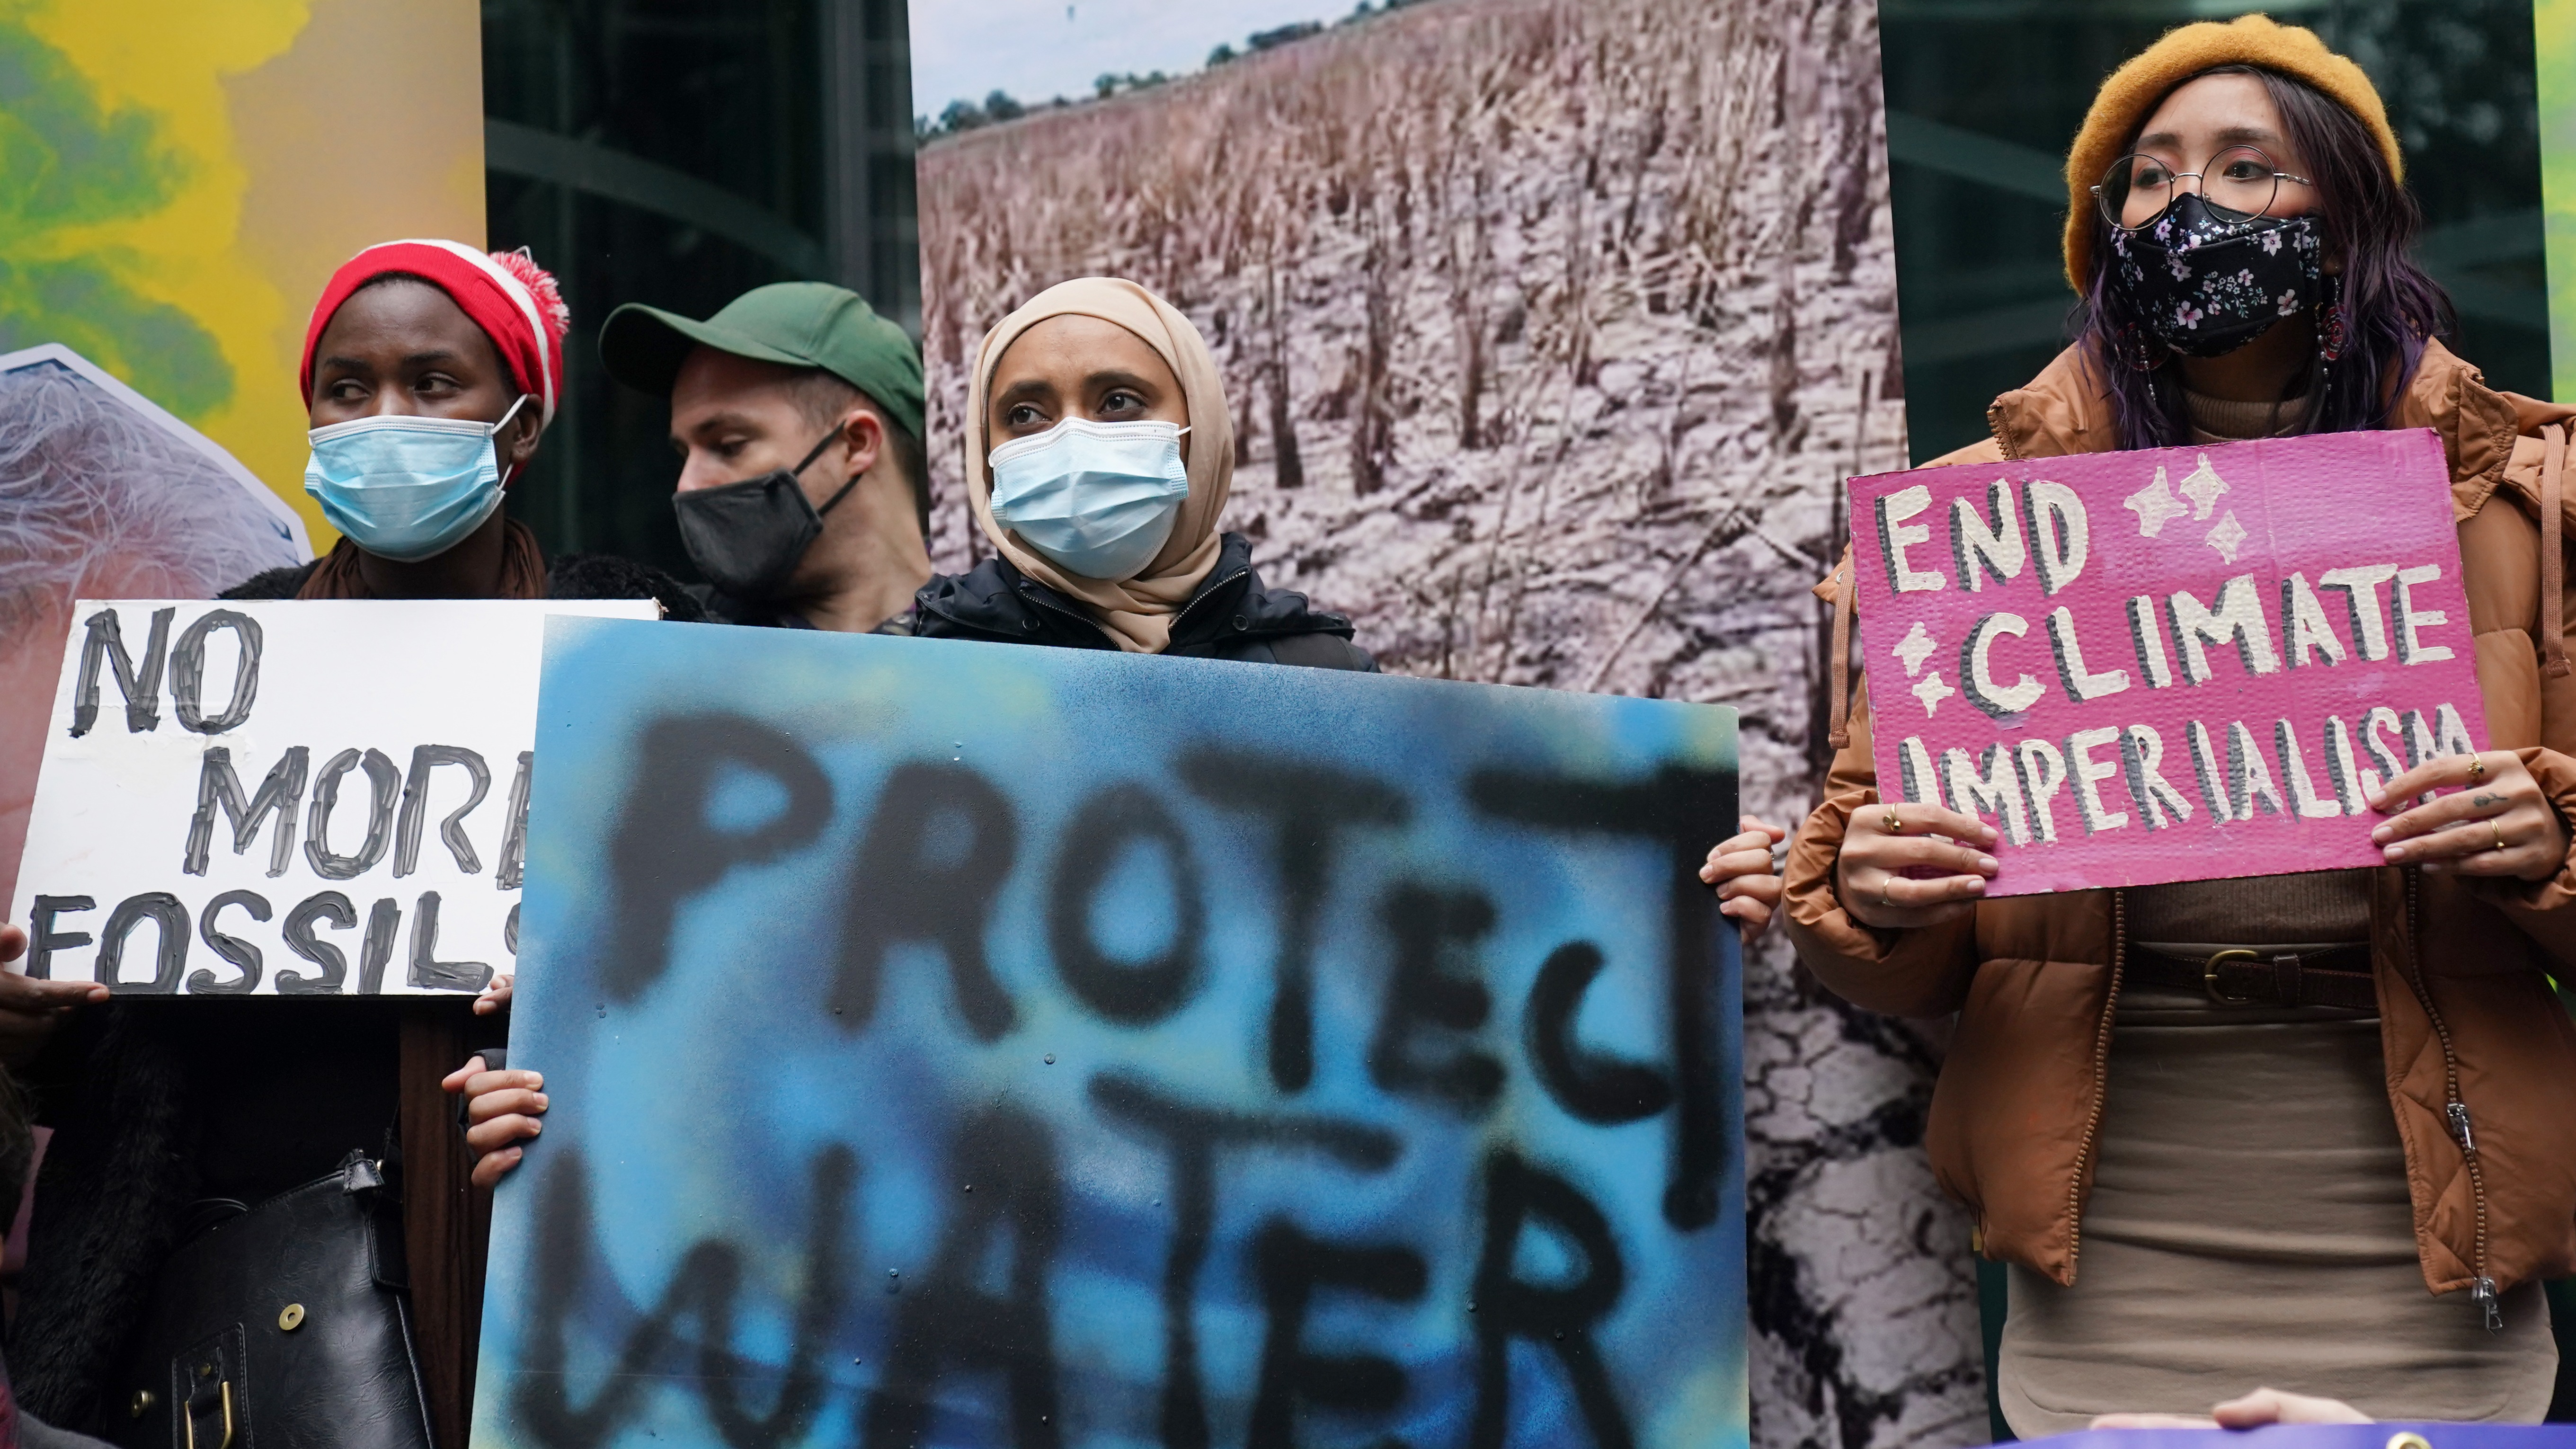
(1137, 612)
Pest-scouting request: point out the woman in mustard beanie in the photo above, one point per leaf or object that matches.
(2350, 1180)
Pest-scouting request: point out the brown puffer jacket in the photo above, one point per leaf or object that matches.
(2466, 1014)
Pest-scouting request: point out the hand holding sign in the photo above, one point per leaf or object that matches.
(501, 1111)
(1739, 870)
(2498, 824)
(30, 1009)
(1887, 844)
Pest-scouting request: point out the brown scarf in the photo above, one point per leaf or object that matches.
(523, 569)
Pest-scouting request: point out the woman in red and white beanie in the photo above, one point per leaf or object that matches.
(430, 371)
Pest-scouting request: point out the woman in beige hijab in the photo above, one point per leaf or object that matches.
(1098, 456)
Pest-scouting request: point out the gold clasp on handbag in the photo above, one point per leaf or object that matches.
(188, 1416)
(2209, 976)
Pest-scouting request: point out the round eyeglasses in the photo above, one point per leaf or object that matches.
(2238, 184)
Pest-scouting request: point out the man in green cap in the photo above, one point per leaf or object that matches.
(804, 495)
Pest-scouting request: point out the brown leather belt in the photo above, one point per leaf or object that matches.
(2337, 976)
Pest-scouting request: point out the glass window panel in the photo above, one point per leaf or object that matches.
(1984, 96)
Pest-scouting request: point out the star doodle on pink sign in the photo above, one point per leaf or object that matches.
(2167, 680)
(1914, 648)
(2156, 506)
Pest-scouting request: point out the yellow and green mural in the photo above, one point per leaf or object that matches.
(178, 178)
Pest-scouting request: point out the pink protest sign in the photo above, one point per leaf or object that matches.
(2179, 664)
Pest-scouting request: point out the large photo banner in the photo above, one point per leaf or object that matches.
(307, 798)
(2177, 664)
(1545, 337)
(963, 1044)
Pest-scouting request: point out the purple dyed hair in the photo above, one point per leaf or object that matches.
(2391, 308)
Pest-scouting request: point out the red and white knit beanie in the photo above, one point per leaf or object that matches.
(508, 295)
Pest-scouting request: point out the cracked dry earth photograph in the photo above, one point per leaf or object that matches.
(1550, 328)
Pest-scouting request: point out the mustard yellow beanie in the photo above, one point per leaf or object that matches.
(2134, 90)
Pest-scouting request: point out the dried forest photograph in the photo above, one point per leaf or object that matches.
(1550, 329)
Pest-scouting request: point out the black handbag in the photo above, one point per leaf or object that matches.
(282, 1326)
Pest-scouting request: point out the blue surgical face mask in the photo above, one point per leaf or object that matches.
(407, 488)
(1097, 499)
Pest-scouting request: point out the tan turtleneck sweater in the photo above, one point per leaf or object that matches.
(2217, 420)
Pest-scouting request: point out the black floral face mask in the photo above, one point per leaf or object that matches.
(2204, 286)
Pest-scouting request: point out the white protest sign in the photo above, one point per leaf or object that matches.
(287, 798)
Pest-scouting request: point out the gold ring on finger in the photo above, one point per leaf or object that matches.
(2477, 769)
(1894, 825)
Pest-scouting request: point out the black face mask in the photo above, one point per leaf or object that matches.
(748, 537)
(2204, 285)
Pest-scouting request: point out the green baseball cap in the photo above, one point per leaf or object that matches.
(793, 324)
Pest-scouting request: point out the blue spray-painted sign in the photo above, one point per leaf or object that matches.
(959, 1044)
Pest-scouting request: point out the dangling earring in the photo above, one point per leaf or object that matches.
(2137, 350)
(2334, 326)
(2333, 330)
(2334, 333)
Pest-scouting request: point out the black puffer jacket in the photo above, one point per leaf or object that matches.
(1230, 617)
(568, 576)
